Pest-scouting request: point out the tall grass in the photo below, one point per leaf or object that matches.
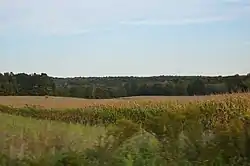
(22, 138)
(211, 132)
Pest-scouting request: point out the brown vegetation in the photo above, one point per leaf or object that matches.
(64, 102)
(210, 130)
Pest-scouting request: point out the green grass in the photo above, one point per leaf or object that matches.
(25, 137)
(26, 141)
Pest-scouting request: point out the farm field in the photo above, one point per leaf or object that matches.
(67, 102)
(151, 131)
(22, 137)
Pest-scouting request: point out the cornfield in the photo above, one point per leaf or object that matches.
(214, 131)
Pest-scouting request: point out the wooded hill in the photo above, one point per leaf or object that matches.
(22, 84)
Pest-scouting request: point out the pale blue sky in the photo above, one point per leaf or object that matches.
(125, 37)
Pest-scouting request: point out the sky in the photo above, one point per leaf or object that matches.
(125, 37)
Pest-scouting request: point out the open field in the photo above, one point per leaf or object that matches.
(212, 130)
(64, 102)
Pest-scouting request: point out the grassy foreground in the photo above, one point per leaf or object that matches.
(211, 132)
(22, 138)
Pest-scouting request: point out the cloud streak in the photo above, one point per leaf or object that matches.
(177, 22)
(247, 43)
(76, 32)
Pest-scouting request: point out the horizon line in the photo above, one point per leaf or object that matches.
(139, 76)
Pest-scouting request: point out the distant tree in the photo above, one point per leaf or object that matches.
(218, 88)
(169, 89)
(181, 89)
(236, 84)
(197, 87)
(111, 87)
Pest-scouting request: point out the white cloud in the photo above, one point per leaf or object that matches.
(247, 43)
(176, 22)
(67, 32)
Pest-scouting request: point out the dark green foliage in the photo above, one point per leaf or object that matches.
(112, 87)
(26, 85)
(197, 87)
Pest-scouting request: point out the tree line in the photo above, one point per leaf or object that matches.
(22, 84)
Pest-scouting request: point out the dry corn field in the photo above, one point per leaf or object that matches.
(135, 131)
(67, 102)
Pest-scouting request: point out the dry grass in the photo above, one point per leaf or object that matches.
(66, 102)
(20, 137)
(209, 132)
